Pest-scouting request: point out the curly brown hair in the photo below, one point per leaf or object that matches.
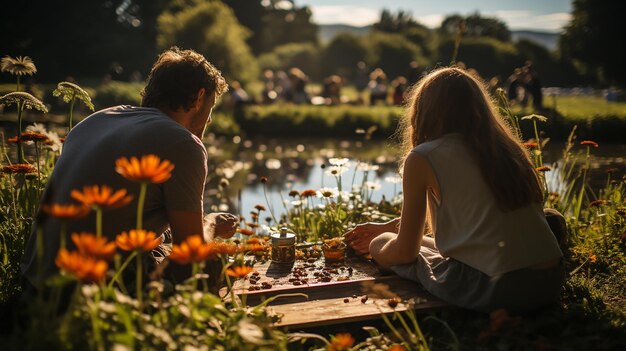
(176, 77)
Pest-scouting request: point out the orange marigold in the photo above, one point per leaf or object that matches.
(65, 212)
(397, 347)
(94, 246)
(101, 196)
(193, 249)
(308, 193)
(149, 168)
(238, 271)
(260, 208)
(245, 231)
(137, 239)
(530, 144)
(341, 341)
(22, 168)
(543, 169)
(589, 143)
(13, 139)
(33, 136)
(597, 203)
(83, 267)
(222, 248)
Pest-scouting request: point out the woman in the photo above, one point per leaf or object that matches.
(467, 177)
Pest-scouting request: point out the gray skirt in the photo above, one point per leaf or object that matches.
(519, 291)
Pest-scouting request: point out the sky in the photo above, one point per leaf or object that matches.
(540, 15)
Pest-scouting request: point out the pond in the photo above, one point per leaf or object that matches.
(301, 164)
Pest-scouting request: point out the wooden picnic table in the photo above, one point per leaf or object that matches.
(350, 291)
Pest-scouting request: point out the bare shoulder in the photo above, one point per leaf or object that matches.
(417, 167)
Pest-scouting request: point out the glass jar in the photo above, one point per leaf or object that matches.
(283, 246)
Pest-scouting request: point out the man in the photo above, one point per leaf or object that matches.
(180, 93)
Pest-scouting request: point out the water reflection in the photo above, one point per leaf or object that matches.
(300, 164)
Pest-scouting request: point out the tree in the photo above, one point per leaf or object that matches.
(393, 53)
(211, 29)
(342, 54)
(476, 25)
(592, 38)
(403, 23)
(274, 22)
(82, 38)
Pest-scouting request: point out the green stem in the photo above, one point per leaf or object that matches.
(540, 156)
(71, 112)
(98, 221)
(18, 84)
(63, 234)
(139, 286)
(20, 150)
(142, 199)
(269, 206)
(121, 269)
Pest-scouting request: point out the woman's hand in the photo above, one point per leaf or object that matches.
(360, 237)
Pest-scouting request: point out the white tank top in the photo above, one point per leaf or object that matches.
(467, 223)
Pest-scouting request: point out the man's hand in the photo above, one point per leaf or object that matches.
(220, 224)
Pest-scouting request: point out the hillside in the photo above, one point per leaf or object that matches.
(547, 39)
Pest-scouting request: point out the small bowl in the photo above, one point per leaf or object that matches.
(334, 253)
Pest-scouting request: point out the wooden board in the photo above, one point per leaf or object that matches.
(340, 300)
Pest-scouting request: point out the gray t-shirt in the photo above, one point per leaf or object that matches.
(468, 224)
(88, 158)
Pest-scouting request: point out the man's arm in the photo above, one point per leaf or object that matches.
(184, 224)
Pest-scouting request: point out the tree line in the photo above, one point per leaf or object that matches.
(243, 38)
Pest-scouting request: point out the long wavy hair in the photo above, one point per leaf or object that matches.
(451, 100)
(176, 77)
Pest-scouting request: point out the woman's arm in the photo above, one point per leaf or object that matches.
(360, 237)
(389, 249)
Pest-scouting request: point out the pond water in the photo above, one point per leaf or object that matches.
(297, 164)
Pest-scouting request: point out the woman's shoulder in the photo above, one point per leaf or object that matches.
(450, 140)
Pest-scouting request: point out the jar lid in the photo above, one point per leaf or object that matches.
(284, 237)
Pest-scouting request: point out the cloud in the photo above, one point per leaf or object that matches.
(431, 21)
(553, 22)
(352, 15)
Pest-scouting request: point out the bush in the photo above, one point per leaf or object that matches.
(295, 120)
(118, 93)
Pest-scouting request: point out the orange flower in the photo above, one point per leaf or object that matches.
(260, 208)
(530, 144)
(34, 136)
(308, 193)
(137, 239)
(597, 203)
(222, 248)
(13, 139)
(91, 245)
(543, 169)
(593, 258)
(238, 271)
(22, 168)
(264, 179)
(65, 212)
(194, 249)
(294, 193)
(245, 231)
(253, 241)
(101, 196)
(589, 143)
(149, 168)
(83, 267)
(397, 347)
(254, 247)
(341, 341)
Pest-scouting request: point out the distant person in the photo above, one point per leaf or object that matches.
(238, 96)
(414, 73)
(533, 85)
(470, 178)
(298, 81)
(284, 87)
(268, 94)
(331, 89)
(361, 80)
(515, 86)
(378, 87)
(399, 87)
